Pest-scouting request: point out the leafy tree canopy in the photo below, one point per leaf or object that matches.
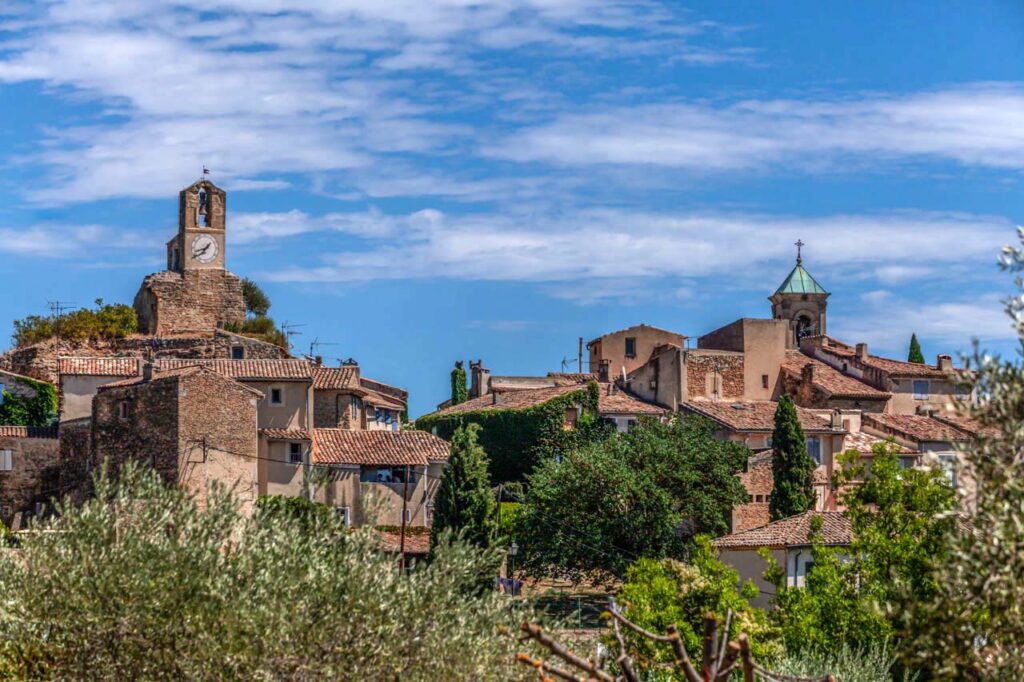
(662, 592)
(633, 495)
(257, 303)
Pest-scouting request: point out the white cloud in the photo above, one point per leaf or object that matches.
(608, 244)
(950, 324)
(980, 124)
(84, 242)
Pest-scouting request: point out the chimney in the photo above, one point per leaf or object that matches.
(147, 371)
(479, 379)
(945, 363)
(837, 420)
(497, 398)
(603, 372)
(862, 351)
(807, 373)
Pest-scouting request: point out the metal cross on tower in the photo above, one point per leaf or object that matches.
(799, 245)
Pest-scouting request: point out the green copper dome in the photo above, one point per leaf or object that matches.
(800, 282)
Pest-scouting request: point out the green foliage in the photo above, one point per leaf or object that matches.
(143, 583)
(629, 496)
(106, 321)
(849, 664)
(301, 510)
(972, 627)
(38, 410)
(464, 504)
(662, 592)
(257, 303)
(517, 440)
(915, 354)
(459, 392)
(792, 467)
(858, 595)
(261, 328)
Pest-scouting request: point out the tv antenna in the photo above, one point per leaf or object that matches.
(289, 331)
(58, 308)
(316, 343)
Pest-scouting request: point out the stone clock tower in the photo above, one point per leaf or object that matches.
(196, 293)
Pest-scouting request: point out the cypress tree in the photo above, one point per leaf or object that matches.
(792, 467)
(459, 393)
(915, 354)
(464, 502)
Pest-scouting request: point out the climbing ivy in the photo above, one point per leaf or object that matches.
(459, 393)
(39, 410)
(517, 439)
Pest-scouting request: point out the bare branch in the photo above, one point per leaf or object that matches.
(537, 633)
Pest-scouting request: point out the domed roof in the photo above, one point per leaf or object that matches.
(800, 281)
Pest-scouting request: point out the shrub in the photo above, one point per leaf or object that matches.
(849, 664)
(257, 303)
(38, 410)
(106, 321)
(143, 583)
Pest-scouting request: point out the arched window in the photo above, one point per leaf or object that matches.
(203, 210)
(804, 327)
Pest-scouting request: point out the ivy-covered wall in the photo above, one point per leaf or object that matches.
(516, 440)
(37, 410)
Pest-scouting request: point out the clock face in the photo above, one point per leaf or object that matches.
(204, 248)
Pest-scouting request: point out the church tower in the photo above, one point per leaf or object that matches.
(801, 301)
(196, 293)
(200, 242)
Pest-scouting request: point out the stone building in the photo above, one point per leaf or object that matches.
(27, 456)
(192, 425)
(196, 292)
(801, 302)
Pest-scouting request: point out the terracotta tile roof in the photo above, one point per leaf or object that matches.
(157, 376)
(915, 427)
(381, 400)
(285, 434)
(758, 415)
(416, 542)
(623, 403)
(256, 370)
(896, 368)
(99, 367)
(968, 424)
(830, 379)
(415, 448)
(28, 432)
(794, 531)
(864, 443)
(514, 400)
(571, 378)
(335, 378)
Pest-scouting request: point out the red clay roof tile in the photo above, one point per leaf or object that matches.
(396, 448)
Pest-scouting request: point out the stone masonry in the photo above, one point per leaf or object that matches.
(192, 301)
(33, 451)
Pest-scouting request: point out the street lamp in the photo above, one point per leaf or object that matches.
(512, 551)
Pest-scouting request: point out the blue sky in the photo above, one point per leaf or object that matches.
(419, 182)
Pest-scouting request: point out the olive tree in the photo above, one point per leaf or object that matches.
(142, 582)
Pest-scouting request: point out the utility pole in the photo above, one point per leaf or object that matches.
(579, 367)
(401, 537)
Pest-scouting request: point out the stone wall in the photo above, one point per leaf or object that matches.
(333, 410)
(218, 439)
(758, 481)
(34, 452)
(195, 300)
(708, 372)
(149, 432)
(40, 361)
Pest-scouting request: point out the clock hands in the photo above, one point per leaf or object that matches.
(200, 252)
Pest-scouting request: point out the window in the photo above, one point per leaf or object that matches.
(408, 515)
(276, 396)
(295, 453)
(345, 514)
(238, 352)
(948, 464)
(764, 381)
(808, 565)
(814, 448)
(355, 407)
(920, 389)
(630, 347)
(372, 474)
(630, 423)
(122, 409)
(6, 460)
